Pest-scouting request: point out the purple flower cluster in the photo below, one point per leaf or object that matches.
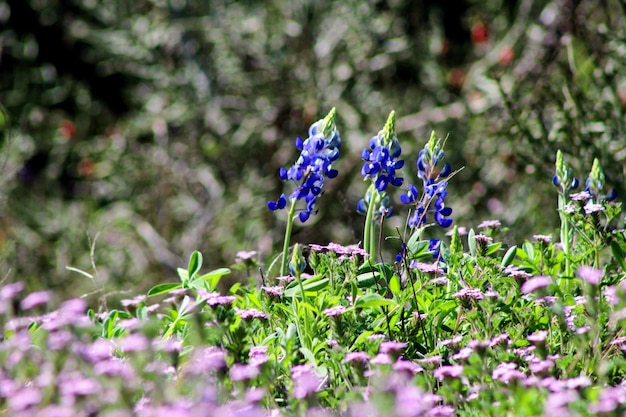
(448, 371)
(305, 382)
(215, 298)
(589, 274)
(535, 284)
(358, 356)
(426, 268)
(313, 166)
(273, 291)
(250, 313)
(335, 311)
(490, 224)
(344, 252)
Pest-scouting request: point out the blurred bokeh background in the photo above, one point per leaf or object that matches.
(137, 131)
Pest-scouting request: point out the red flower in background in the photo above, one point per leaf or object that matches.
(86, 168)
(506, 55)
(480, 33)
(67, 129)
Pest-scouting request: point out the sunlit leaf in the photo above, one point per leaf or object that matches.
(163, 288)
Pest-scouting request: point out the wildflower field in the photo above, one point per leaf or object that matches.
(458, 323)
(312, 208)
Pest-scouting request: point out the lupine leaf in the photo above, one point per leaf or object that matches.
(414, 245)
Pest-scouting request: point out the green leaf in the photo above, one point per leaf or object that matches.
(411, 244)
(370, 274)
(416, 247)
(195, 263)
(234, 288)
(310, 284)
(214, 277)
(445, 252)
(395, 314)
(394, 285)
(521, 253)
(142, 313)
(373, 300)
(308, 355)
(619, 255)
(528, 248)
(109, 323)
(361, 339)
(163, 288)
(471, 242)
(185, 306)
(493, 248)
(183, 275)
(445, 311)
(197, 284)
(292, 331)
(509, 256)
(309, 280)
(368, 279)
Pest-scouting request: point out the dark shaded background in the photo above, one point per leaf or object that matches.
(157, 127)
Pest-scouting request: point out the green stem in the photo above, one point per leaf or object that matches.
(565, 240)
(290, 218)
(368, 234)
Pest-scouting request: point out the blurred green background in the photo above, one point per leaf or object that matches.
(137, 131)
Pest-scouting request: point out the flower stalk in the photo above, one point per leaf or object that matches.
(381, 161)
(313, 166)
(565, 181)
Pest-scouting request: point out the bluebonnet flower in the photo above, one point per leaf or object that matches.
(434, 187)
(381, 163)
(564, 178)
(313, 166)
(595, 183)
(400, 255)
(571, 186)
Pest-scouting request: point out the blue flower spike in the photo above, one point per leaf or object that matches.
(595, 183)
(313, 166)
(564, 178)
(308, 173)
(381, 165)
(381, 158)
(434, 186)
